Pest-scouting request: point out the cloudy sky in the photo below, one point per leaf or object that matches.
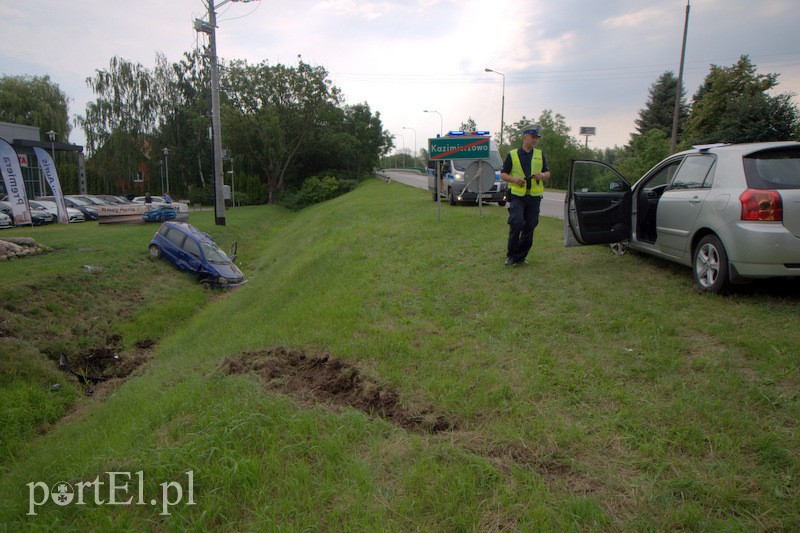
(591, 61)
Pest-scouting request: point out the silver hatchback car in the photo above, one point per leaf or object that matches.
(731, 212)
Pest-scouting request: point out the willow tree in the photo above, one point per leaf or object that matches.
(120, 122)
(35, 101)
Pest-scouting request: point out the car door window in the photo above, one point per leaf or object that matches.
(662, 177)
(191, 247)
(692, 173)
(590, 176)
(176, 237)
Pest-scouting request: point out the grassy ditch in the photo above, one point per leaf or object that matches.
(383, 371)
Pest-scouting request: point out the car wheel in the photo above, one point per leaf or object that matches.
(433, 195)
(501, 203)
(711, 265)
(161, 218)
(619, 248)
(451, 198)
(205, 283)
(155, 251)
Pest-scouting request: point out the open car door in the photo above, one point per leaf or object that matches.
(597, 207)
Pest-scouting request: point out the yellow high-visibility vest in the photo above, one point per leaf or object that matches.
(537, 186)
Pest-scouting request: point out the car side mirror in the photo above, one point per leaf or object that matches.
(617, 186)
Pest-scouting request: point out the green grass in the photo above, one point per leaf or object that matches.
(588, 391)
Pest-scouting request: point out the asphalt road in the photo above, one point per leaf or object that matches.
(552, 203)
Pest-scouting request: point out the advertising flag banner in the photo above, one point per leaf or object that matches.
(48, 167)
(15, 188)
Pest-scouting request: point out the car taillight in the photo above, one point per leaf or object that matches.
(761, 205)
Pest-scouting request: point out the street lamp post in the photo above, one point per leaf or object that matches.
(441, 121)
(404, 147)
(233, 186)
(414, 159)
(161, 166)
(166, 165)
(51, 135)
(503, 105)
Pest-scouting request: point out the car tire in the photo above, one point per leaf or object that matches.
(710, 265)
(206, 283)
(451, 198)
(155, 251)
(501, 203)
(433, 195)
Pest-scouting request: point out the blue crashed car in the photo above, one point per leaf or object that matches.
(195, 252)
(159, 214)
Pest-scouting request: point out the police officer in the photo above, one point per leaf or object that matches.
(525, 170)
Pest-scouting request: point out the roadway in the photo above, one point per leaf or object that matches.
(552, 202)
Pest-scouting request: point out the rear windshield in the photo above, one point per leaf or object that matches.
(773, 169)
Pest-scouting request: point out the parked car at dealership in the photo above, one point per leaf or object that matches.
(731, 212)
(89, 211)
(159, 214)
(5, 221)
(195, 252)
(73, 214)
(39, 217)
(153, 200)
(113, 199)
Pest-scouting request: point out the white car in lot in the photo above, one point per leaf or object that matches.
(154, 200)
(731, 212)
(5, 221)
(74, 214)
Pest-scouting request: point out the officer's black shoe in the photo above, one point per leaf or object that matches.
(508, 262)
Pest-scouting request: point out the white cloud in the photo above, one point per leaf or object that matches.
(590, 61)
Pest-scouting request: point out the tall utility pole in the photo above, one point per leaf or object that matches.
(210, 28)
(674, 144)
(414, 159)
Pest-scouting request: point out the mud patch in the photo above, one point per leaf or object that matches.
(105, 363)
(558, 472)
(332, 381)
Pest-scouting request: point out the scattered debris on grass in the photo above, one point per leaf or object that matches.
(333, 381)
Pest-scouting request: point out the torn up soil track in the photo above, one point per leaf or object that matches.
(335, 382)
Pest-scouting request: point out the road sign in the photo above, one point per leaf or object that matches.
(466, 147)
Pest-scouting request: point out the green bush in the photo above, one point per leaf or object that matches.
(315, 190)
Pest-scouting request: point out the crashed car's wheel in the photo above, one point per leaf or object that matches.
(451, 198)
(206, 283)
(155, 251)
(710, 265)
(501, 203)
(619, 248)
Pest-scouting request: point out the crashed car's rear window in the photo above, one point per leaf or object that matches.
(773, 169)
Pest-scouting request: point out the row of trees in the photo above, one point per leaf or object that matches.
(281, 124)
(285, 124)
(733, 105)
